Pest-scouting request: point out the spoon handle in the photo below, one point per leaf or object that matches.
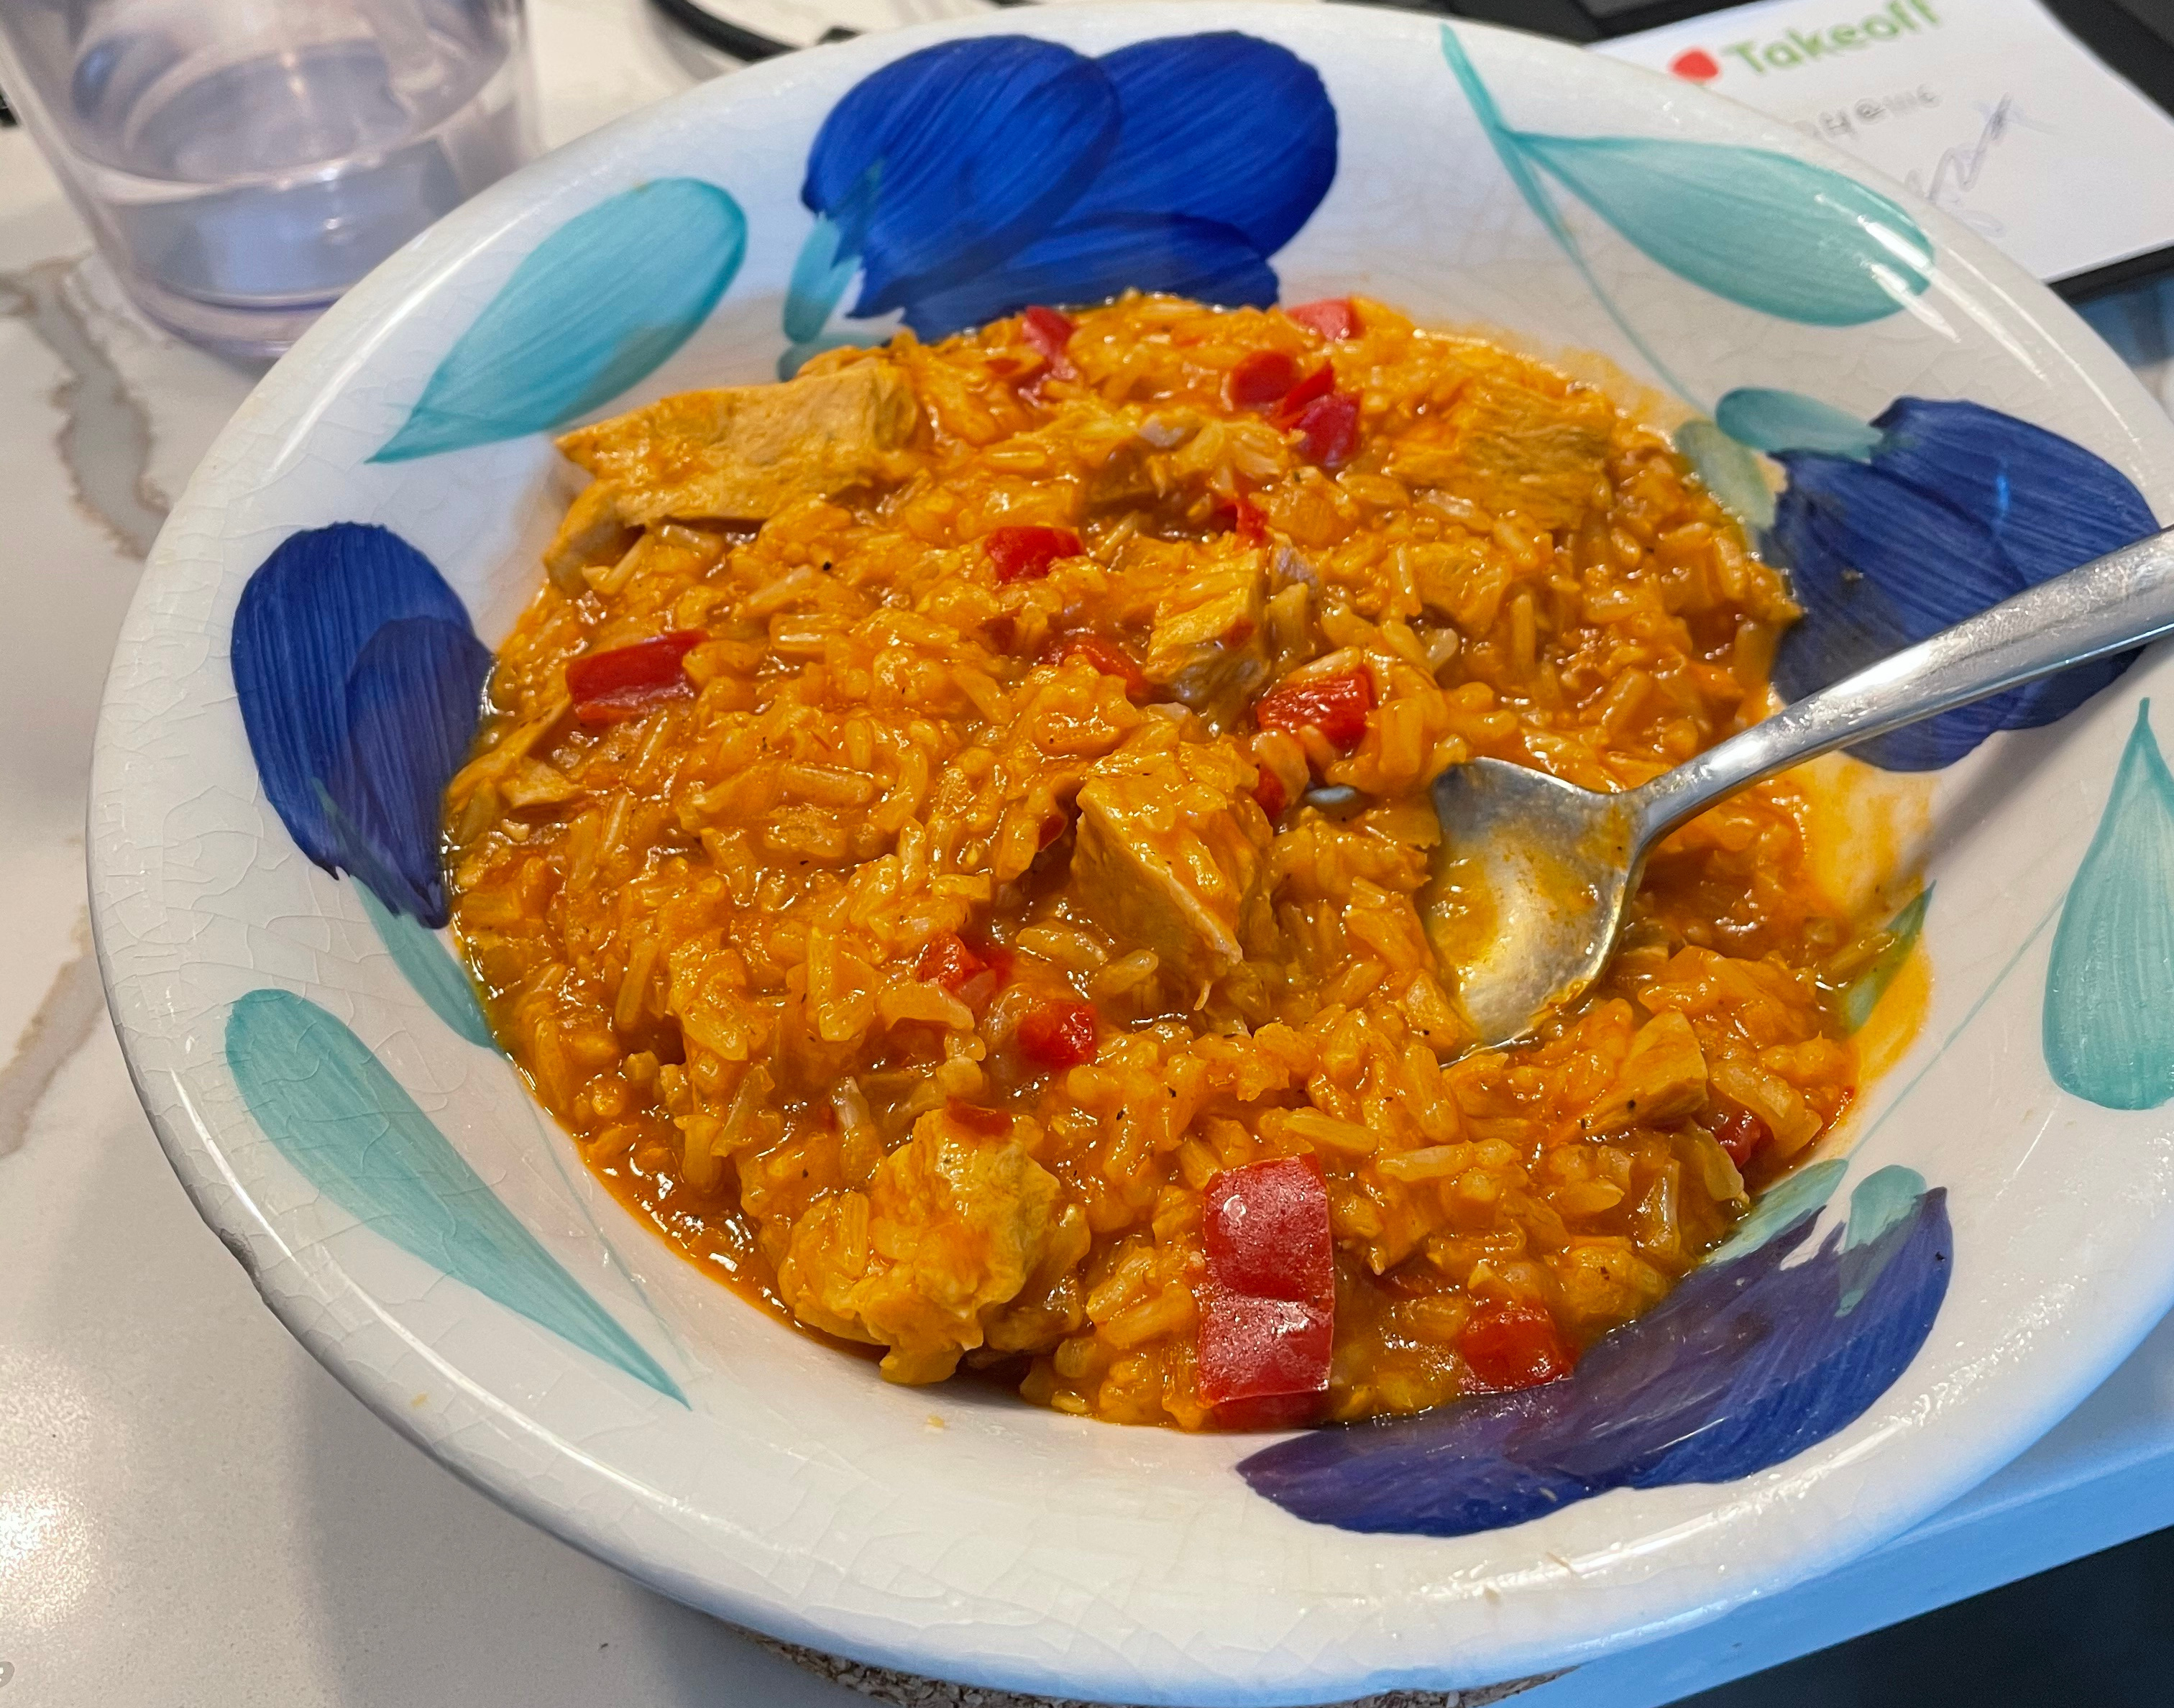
(2109, 605)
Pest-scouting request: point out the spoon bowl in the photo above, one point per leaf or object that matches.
(1533, 876)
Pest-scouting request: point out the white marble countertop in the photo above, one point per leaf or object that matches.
(193, 1512)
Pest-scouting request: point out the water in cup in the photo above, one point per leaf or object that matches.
(244, 161)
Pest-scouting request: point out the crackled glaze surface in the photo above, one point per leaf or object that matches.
(788, 1492)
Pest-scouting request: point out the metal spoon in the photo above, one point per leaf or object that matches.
(1539, 874)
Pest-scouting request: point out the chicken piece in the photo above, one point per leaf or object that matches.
(951, 1227)
(1206, 643)
(592, 531)
(1515, 449)
(1171, 852)
(1662, 1078)
(744, 453)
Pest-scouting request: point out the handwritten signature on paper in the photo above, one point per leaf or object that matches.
(1957, 172)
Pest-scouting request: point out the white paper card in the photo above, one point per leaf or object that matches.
(1987, 108)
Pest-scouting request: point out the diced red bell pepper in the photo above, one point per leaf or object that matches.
(1740, 1133)
(1250, 522)
(1058, 1034)
(1271, 794)
(1315, 386)
(1329, 429)
(1336, 706)
(1513, 1344)
(948, 962)
(1106, 657)
(1332, 317)
(628, 681)
(1025, 553)
(1264, 1361)
(1269, 1322)
(1261, 377)
(1050, 333)
(1266, 1227)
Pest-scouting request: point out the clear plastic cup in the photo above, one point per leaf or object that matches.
(243, 162)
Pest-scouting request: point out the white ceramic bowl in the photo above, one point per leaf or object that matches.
(426, 1232)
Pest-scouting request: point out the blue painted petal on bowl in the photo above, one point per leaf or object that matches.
(1222, 127)
(2107, 1024)
(302, 623)
(1770, 232)
(414, 693)
(1096, 259)
(2051, 504)
(1959, 507)
(579, 323)
(1878, 565)
(1745, 1365)
(980, 145)
(350, 1129)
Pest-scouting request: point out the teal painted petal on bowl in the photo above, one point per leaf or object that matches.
(829, 259)
(1731, 473)
(1508, 148)
(594, 309)
(2108, 1022)
(1774, 421)
(820, 274)
(423, 960)
(1780, 1207)
(1774, 234)
(1881, 1200)
(347, 1125)
(1862, 995)
(1504, 139)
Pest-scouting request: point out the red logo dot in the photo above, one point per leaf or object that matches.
(1696, 64)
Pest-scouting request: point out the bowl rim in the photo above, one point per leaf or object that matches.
(331, 356)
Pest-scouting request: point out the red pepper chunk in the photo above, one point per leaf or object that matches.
(1263, 1363)
(628, 681)
(1332, 317)
(1057, 1034)
(1250, 522)
(1106, 656)
(1266, 1227)
(1315, 386)
(1336, 706)
(948, 962)
(1025, 553)
(1269, 1322)
(1513, 1344)
(1261, 377)
(1740, 1133)
(1049, 333)
(1271, 795)
(1328, 429)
